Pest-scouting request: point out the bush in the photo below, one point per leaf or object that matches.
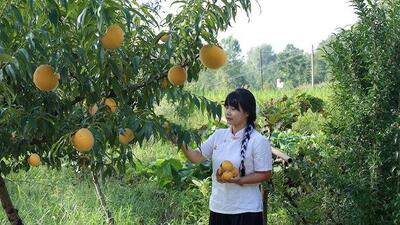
(309, 123)
(281, 113)
(307, 102)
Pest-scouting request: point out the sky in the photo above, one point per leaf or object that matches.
(302, 23)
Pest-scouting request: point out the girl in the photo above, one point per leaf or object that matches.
(237, 201)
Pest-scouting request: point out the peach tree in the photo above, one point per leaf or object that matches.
(80, 80)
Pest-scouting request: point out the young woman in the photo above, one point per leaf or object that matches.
(237, 201)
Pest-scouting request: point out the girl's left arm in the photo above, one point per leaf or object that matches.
(253, 178)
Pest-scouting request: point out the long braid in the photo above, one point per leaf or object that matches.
(247, 132)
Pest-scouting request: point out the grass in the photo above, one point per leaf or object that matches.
(321, 90)
(45, 196)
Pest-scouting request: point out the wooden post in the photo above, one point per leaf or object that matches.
(12, 213)
(265, 193)
(282, 156)
(261, 69)
(312, 65)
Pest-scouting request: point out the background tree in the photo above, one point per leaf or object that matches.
(253, 65)
(293, 66)
(231, 75)
(101, 64)
(235, 76)
(321, 71)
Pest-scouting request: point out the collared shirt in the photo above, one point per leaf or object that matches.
(229, 198)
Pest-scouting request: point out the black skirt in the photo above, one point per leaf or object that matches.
(248, 218)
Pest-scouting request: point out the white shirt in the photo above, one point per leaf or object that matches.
(231, 198)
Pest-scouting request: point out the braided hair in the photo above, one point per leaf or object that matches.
(247, 132)
(245, 99)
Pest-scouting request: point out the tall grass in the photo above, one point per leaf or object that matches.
(322, 91)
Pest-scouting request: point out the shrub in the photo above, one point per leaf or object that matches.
(309, 123)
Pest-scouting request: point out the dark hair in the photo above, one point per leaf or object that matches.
(245, 99)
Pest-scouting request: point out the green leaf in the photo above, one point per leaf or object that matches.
(196, 102)
(100, 56)
(128, 18)
(6, 58)
(183, 2)
(23, 52)
(114, 68)
(10, 71)
(53, 17)
(135, 64)
(17, 14)
(81, 18)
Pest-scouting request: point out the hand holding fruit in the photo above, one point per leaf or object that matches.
(227, 173)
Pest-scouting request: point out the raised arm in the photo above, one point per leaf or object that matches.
(193, 156)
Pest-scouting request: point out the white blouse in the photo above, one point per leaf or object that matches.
(229, 198)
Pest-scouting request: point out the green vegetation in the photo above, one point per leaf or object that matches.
(343, 136)
(148, 193)
(364, 128)
(45, 196)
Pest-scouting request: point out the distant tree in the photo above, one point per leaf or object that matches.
(231, 75)
(209, 80)
(321, 72)
(261, 57)
(293, 66)
(234, 76)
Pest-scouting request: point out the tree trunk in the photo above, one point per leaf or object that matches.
(101, 197)
(12, 213)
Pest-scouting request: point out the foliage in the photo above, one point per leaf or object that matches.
(261, 59)
(98, 50)
(364, 127)
(139, 198)
(293, 66)
(174, 173)
(280, 113)
(234, 69)
(309, 123)
(287, 140)
(297, 189)
(66, 35)
(262, 67)
(321, 66)
(231, 75)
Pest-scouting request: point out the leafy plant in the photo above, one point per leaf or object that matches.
(175, 173)
(309, 123)
(280, 113)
